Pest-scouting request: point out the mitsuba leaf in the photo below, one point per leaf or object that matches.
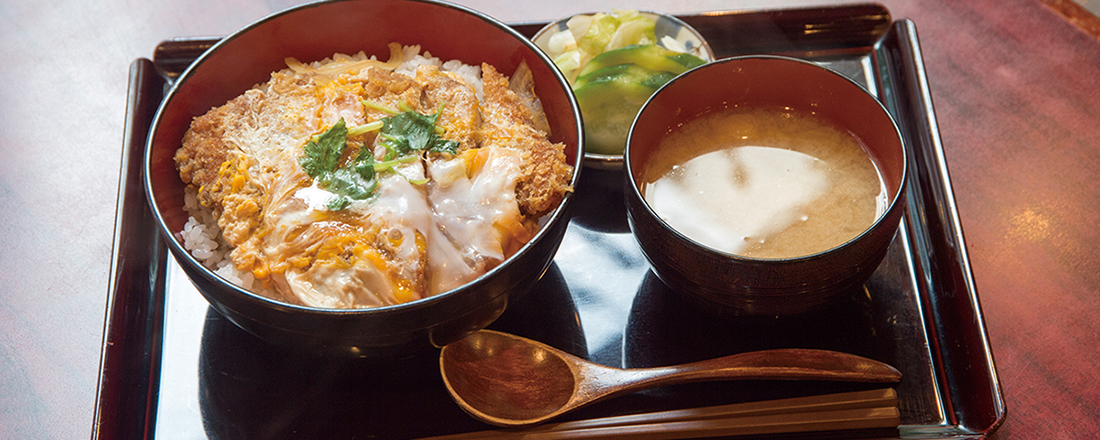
(322, 154)
(411, 131)
(321, 160)
(444, 146)
(364, 164)
(402, 134)
(347, 185)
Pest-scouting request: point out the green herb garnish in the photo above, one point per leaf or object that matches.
(410, 131)
(404, 134)
(354, 181)
(323, 152)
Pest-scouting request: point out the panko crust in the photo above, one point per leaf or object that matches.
(207, 147)
(388, 89)
(456, 101)
(544, 178)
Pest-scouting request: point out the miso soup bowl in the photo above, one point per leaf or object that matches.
(734, 285)
(312, 32)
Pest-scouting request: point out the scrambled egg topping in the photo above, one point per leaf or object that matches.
(432, 223)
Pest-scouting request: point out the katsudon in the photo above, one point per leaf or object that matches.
(355, 182)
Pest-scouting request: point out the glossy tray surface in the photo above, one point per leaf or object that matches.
(174, 369)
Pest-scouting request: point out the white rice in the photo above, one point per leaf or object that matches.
(203, 238)
(201, 235)
(413, 59)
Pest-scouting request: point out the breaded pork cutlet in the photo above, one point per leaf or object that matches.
(544, 178)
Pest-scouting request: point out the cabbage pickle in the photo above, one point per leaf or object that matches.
(615, 62)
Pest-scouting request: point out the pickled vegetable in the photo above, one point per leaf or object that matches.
(610, 98)
(615, 62)
(650, 56)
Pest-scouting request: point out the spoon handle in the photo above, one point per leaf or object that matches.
(779, 364)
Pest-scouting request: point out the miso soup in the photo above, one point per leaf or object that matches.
(764, 183)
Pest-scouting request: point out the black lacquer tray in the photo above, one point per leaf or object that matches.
(174, 369)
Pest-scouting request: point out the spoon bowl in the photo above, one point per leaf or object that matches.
(507, 380)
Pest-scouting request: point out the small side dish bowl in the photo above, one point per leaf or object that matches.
(315, 31)
(665, 27)
(732, 284)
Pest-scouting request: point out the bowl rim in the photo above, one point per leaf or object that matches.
(615, 161)
(898, 198)
(179, 251)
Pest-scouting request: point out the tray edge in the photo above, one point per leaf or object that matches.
(135, 291)
(948, 250)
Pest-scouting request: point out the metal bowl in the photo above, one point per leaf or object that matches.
(314, 31)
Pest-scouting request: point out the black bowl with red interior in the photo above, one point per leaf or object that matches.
(312, 32)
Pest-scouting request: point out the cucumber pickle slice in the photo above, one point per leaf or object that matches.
(615, 84)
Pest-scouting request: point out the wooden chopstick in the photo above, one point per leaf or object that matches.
(828, 402)
(852, 419)
(830, 412)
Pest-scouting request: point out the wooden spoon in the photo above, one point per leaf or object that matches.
(507, 380)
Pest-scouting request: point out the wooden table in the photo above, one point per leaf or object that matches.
(1013, 82)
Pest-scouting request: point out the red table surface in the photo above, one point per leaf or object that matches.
(1013, 83)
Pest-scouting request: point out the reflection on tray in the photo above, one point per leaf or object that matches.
(252, 389)
(307, 395)
(249, 388)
